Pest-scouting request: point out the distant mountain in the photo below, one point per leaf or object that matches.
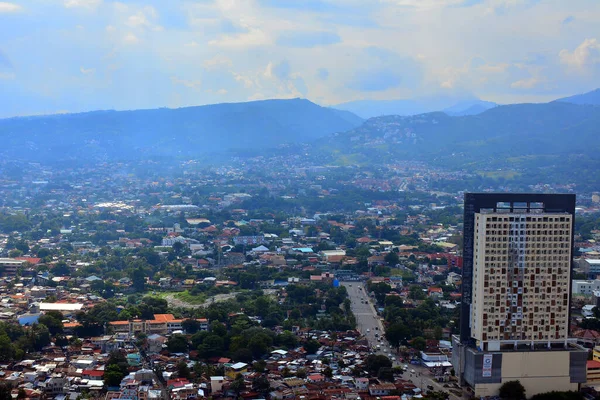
(473, 107)
(377, 108)
(590, 98)
(504, 135)
(110, 135)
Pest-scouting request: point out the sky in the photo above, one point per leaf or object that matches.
(79, 55)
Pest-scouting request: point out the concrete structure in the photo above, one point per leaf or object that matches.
(62, 307)
(585, 287)
(590, 266)
(9, 266)
(216, 384)
(162, 324)
(593, 372)
(516, 294)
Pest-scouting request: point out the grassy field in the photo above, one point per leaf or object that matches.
(187, 297)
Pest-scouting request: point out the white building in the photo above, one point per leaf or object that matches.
(585, 287)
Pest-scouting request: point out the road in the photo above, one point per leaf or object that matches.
(369, 324)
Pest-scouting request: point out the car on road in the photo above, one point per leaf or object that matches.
(430, 387)
(368, 330)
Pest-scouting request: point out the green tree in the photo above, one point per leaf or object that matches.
(5, 391)
(374, 362)
(392, 258)
(387, 374)
(53, 321)
(7, 350)
(397, 333)
(177, 343)
(138, 279)
(183, 371)
(190, 326)
(238, 385)
(211, 346)
(260, 366)
(416, 293)
(301, 373)
(113, 376)
(117, 358)
(512, 390)
(261, 384)
(311, 346)
(419, 343)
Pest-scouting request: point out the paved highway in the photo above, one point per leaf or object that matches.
(370, 325)
(368, 322)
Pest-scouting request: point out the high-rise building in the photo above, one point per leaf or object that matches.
(516, 292)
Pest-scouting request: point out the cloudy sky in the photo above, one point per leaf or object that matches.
(77, 55)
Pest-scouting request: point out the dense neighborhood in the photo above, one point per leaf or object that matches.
(210, 285)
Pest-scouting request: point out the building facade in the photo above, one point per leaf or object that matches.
(516, 287)
(162, 324)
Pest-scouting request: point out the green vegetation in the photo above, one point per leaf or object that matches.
(189, 298)
(512, 390)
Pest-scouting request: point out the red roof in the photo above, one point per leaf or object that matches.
(31, 260)
(179, 382)
(92, 372)
(593, 364)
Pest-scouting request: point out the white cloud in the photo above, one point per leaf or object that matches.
(585, 54)
(528, 83)
(144, 19)
(426, 4)
(9, 7)
(110, 28)
(138, 20)
(87, 71)
(246, 80)
(120, 7)
(254, 37)
(90, 4)
(130, 38)
(187, 83)
(217, 62)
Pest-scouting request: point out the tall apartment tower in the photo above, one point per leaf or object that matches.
(516, 293)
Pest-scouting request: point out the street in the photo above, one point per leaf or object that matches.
(368, 322)
(370, 325)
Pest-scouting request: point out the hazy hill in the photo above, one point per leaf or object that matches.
(521, 130)
(473, 107)
(107, 135)
(590, 98)
(450, 104)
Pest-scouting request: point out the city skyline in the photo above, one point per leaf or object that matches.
(79, 55)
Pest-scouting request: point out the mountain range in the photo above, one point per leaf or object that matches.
(451, 105)
(504, 131)
(109, 135)
(589, 98)
(498, 135)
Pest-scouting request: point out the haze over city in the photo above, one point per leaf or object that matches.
(300, 199)
(80, 55)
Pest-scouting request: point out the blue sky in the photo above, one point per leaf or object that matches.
(78, 55)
